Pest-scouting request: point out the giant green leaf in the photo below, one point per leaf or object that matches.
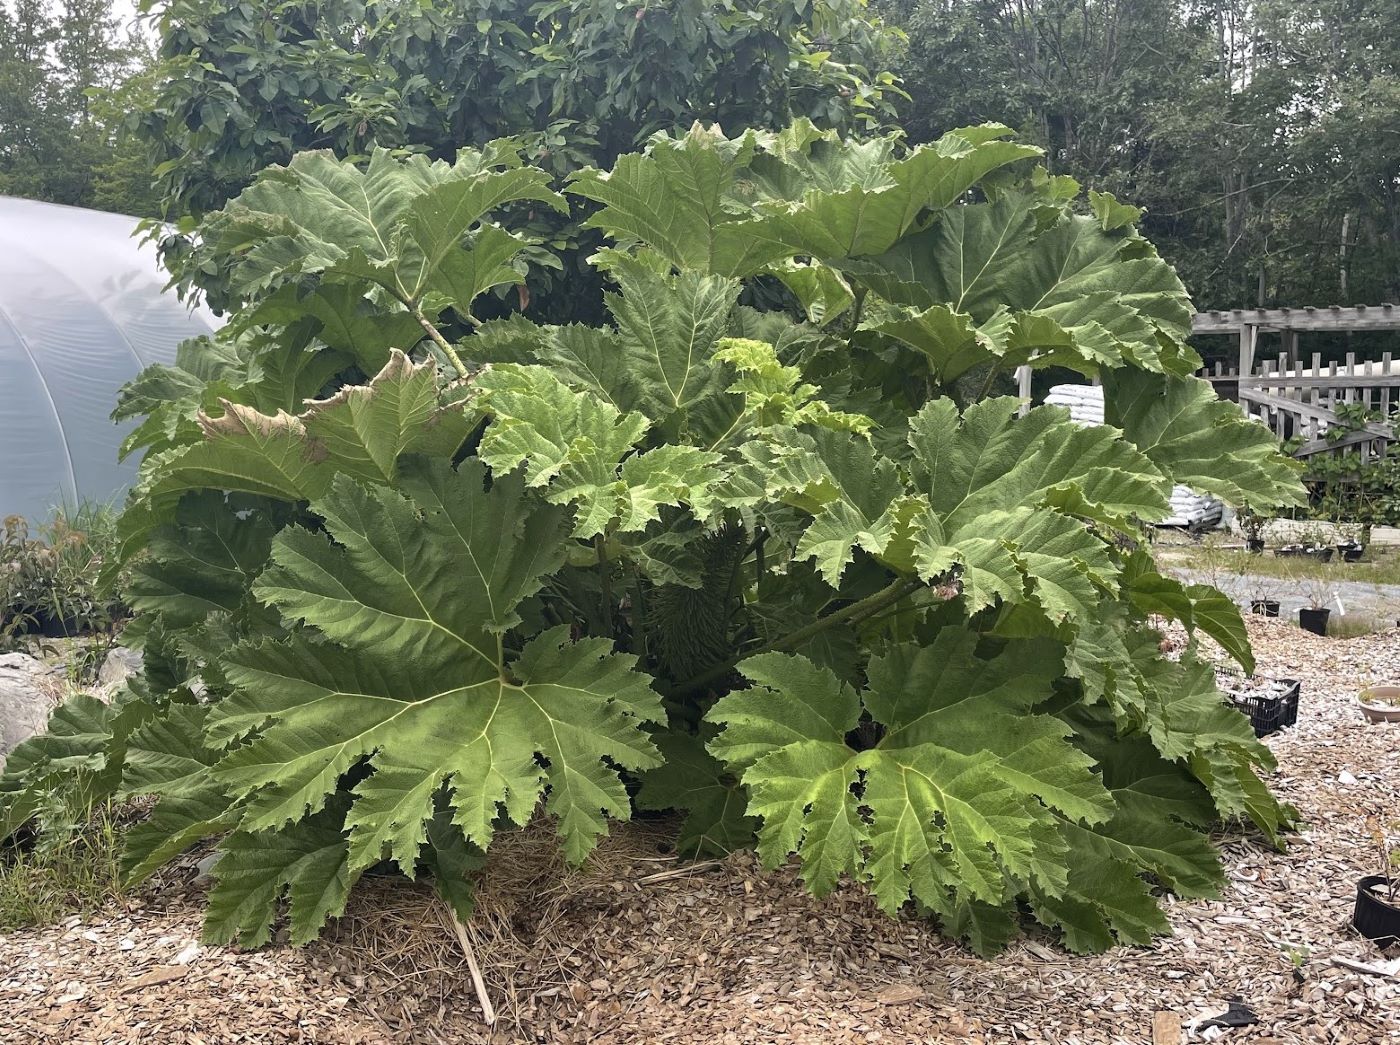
(694, 780)
(411, 226)
(169, 758)
(415, 597)
(202, 562)
(999, 499)
(361, 431)
(677, 198)
(874, 201)
(956, 794)
(1199, 440)
(993, 261)
(575, 443)
(307, 862)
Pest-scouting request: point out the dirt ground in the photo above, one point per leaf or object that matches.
(623, 953)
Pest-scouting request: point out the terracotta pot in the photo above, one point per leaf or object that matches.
(1380, 703)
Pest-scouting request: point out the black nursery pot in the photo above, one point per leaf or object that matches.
(1352, 553)
(1255, 545)
(51, 627)
(1375, 919)
(1314, 620)
(1264, 607)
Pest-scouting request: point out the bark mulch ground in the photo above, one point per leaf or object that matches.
(624, 953)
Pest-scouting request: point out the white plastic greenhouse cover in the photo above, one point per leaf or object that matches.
(82, 311)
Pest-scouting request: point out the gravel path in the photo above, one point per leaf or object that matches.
(730, 954)
(1377, 601)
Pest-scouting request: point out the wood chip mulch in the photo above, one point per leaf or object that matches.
(730, 954)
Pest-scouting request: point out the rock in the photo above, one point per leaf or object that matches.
(28, 692)
(205, 870)
(121, 663)
(1345, 778)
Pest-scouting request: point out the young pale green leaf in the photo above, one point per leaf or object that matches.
(582, 450)
(850, 491)
(775, 394)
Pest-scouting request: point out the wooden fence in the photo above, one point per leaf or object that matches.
(1299, 401)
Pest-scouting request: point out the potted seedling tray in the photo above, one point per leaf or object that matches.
(1310, 551)
(1271, 704)
(1350, 551)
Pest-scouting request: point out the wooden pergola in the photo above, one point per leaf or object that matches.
(1296, 399)
(1248, 323)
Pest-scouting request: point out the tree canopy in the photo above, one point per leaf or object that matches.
(57, 142)
(1262, 136)
(239, 86)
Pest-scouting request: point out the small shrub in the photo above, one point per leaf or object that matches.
(51, 582)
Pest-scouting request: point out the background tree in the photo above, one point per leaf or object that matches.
(1261, 135)
(57, 142)
(239, 86)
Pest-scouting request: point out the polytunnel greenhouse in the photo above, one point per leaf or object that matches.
(82, 311)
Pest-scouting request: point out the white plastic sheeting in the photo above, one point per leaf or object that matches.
(1189, 508)
(82, 312)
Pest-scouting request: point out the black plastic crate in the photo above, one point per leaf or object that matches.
(1268, 713)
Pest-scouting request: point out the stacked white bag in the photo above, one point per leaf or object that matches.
(1189, 508)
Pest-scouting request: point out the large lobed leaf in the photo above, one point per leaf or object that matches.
(958, 801)
(415, 594)
(399, 224)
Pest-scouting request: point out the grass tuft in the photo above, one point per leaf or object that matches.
(1381, 565)
(77, 875)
